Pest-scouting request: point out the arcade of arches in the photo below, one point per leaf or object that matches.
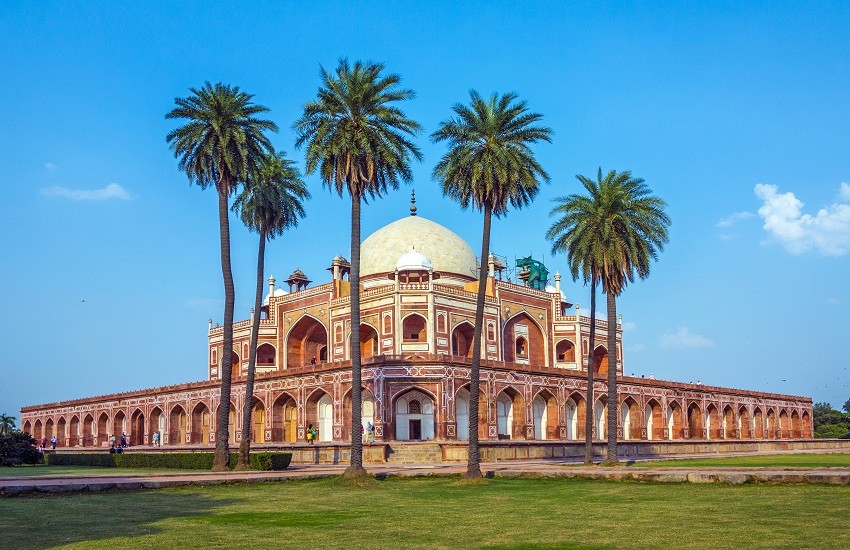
(414, 413)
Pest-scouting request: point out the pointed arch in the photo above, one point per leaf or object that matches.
(176, 425)
(156, 423)
(600, 417)
(576, 414)
(524, 340)
(696, 425)
(102, 429)
(119, 425)
(266, 354)
(545, 415)
(784, 425)
(713, 426)
(462, 335)
(284, 419)
(367, 411)
(630, 418)
(600, 359)
(796, 429)
(320, 414)
(807, 425)
(462, 401)
(510, 414)
(729, 423)
(414, 414)
(38, 430)
(87, 437)
(745, 423)
(61, 431)
(675, 424)
(758, 422)
(565, 351)
(201, 424)
(137, 428)
(772, 432)
(414, 328)
(653, 420)
(308, 338)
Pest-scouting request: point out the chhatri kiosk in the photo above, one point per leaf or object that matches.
(418, 292)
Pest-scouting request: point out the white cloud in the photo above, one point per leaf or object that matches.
(732, 219)
(111, 191)
(828, 231)
(844, 192)
(683, 339)
(629, 325)
(50, 166)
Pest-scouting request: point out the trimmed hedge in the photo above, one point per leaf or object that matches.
(180, 461)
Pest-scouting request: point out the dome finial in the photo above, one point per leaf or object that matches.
(413, 203)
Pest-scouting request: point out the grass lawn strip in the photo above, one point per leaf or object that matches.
(789, 460)
(436, 513)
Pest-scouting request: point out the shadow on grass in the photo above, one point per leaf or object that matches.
(45, 521)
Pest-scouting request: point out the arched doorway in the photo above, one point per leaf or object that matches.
(258, 422)
(414, 416)
(119, 425)
(744, 424)
(600, 411)
(285, 419)
(545, 410)
(796, 430)
(807, 425)
(510, 417)
(368, 341)
(462, 340)
(728, 423)
(523, 341)
(654, 423)
(713, 427)
(74, 431)
(784, 428)
(137, 428)
(674, 421)
(575, 413)
(27, 427)
(320, 415)
(231, 425)
(88, 431)
(235, 366)
(695, 423)
(49, 429)
(462, 402)
(630, 418)
(156, 424)
(307, 339)
(758, 420)
(102, 429)
(37, 431)
(201, 424)
(177, 426)
(61, 432)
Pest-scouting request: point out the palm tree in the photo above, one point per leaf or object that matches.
(574, 233)
(221, 144)
(7, 424)
(626, 227)
(489, 166)
(358, 140)
(269, 204)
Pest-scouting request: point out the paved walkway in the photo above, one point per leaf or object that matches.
(531, 468)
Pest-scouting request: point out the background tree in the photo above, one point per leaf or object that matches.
(358, 141)
(488, 166)
(7, 424)
(574, 233)
(270, 203)
(220, 145)
(847, 406)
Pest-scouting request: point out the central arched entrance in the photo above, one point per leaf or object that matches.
(414, 416)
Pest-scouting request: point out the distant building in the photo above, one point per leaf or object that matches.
(419, 283)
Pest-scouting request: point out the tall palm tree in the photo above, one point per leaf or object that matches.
(358, 140)
(7, 424)
(489, 166)
(221, 144)
(574, 233)
(629, 228)
(270, 203)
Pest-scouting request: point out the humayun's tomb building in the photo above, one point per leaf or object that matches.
(418, 303)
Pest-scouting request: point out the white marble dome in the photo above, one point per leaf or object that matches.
(414, 261)
(277, 292)
(447, 252)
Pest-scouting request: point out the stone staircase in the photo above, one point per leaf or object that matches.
(414, 453)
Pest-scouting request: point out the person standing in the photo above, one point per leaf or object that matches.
(123, 440)
(53, 442)
(311, 434)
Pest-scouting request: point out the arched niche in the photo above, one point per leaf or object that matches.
(285, 419)
(524, 341)
(308, 339)
(414, 416)
(414, 328)
(462, 337)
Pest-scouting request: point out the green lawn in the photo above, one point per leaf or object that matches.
(791, 460)
(435, 513)
(44, 470)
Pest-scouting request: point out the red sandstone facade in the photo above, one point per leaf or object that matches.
(416, 335)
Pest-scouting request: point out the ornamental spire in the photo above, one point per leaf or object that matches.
(413, 203)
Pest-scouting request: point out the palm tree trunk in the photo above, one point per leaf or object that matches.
(245, 444)
(473, 466)
(222, 452)
(612, 378)
(356, 468)
(588, 415)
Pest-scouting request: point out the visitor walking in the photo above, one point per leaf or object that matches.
(156, 439)
(43, 443)
(311, 434)
(123, 440)
(370, 432)
(53, 442)
(112, 440)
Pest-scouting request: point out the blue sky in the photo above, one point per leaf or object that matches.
(736, 115)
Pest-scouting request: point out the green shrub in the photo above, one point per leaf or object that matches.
(832, 431)
(18, 448)
(179, 461)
